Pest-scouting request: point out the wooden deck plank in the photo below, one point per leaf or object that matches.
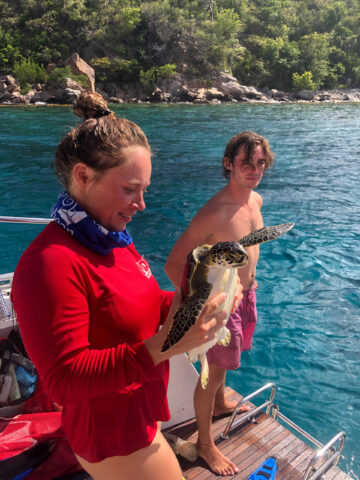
(247, 464)
(331, 474)
(335, 474)
(255, 460)
(241, 446)
(249, 445)
(199, 470)
(296, 468)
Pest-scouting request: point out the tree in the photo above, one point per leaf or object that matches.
(28, 72)
(263, 42)
(314, 50)
(218, 38)
(9, 50)
(303, 82)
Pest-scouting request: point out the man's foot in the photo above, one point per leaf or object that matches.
(228, 407)
(218, 463)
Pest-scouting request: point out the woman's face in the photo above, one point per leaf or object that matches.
(114, 198)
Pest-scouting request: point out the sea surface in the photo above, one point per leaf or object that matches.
(307, 340)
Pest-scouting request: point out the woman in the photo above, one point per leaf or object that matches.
(89, 309)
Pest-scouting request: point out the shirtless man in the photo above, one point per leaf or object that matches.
(229, 215)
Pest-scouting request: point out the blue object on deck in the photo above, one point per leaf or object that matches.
(266, 471)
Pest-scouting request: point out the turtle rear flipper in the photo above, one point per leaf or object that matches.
(265, 234)
(204, 371)
(225, 340)
(186, 316)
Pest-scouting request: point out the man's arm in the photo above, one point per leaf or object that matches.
(197, 233)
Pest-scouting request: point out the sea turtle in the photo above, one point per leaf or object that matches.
(209, 270)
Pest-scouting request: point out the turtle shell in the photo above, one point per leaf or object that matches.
(190, 268)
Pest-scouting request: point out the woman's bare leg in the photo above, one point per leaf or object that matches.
(155, 462)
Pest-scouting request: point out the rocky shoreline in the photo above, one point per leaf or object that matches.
(220, 88)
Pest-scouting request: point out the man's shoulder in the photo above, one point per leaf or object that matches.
(256, 197)
(221, 199)
(212, 210)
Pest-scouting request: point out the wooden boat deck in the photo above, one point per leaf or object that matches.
(249, 445)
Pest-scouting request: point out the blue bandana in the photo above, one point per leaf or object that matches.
(72, 218)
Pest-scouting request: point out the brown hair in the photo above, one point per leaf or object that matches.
(250, 140)
(98, 141)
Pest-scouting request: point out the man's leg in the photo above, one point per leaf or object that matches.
(223, 406)
(204, 400)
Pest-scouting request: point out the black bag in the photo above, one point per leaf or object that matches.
(18, 377)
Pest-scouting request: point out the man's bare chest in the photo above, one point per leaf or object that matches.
(237, 225)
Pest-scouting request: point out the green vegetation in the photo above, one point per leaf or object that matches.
(28, 73)
(303, 82)
(275, 43)
(148, 78)
(58, 77)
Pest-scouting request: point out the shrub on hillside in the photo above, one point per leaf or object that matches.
(28, 72)
(303, 82)
(149, 77)
(58, 76)
(117, 70)
(165, 71)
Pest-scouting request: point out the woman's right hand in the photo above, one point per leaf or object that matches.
(203, 331)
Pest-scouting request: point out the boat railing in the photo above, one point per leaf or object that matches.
(313, 471)
(24, 220)
(251, 415)
(315, 468)
(7, 314)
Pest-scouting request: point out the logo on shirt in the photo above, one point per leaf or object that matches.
(144, 267)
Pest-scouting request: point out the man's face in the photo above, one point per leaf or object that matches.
(247, 173)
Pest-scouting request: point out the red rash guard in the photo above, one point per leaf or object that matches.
(83, 318)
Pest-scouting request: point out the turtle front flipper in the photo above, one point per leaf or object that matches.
(186, 316)
(265, 234)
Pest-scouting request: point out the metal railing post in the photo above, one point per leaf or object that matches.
(312, 473)
(251, 413)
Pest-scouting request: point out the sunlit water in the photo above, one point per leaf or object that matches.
(307, 337)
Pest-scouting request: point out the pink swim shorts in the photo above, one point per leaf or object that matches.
(241, 325)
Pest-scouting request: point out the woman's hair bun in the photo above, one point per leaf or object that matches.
(91, 105)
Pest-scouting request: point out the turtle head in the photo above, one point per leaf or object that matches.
(228, 254)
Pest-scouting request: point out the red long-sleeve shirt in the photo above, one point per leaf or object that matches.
(83, 318)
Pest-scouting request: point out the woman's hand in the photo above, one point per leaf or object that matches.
(203, 331)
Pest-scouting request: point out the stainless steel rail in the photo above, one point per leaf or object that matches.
(251, 414)
(332, 460)
(24, 220)
(313, 471)
(275, 413)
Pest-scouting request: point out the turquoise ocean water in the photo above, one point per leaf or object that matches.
(307, 339)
